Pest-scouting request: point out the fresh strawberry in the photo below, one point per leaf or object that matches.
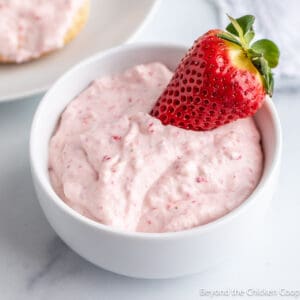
(220, 79)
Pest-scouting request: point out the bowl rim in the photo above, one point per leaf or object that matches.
(45, 184)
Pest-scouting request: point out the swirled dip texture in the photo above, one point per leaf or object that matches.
(30, 28)
(114, 163)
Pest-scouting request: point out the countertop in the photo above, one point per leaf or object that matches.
(36, 264)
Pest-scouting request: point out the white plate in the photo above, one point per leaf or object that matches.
(111, 23)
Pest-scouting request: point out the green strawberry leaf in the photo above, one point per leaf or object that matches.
(229, 37)
(253, 54)
(235, 27)
(245, 23)
(249, 36)
(265, 71)
(271, 84)
(269, 51)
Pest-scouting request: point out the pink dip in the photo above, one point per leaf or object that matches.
(114, 163)
(29, 28)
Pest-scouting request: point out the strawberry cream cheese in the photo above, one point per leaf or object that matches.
(30, 28)
(114, 163)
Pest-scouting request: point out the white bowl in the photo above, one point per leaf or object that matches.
(147, 255)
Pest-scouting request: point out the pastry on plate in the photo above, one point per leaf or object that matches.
(32, 28)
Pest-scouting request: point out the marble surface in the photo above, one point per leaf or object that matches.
(36, 264)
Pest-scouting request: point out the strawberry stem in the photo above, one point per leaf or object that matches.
(239, 30)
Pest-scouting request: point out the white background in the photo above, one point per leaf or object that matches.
(35, 264)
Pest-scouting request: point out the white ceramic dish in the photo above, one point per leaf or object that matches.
(110, 23)
(146, 255)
